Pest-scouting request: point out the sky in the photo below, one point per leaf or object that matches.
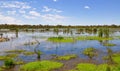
(60, 12)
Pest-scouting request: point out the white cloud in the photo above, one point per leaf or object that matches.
(11, 12)
(22, 11)
(55, 0)
(47, 9)
(9, 20)
(52, 17)
(34, 13)
(87, 7)
(29, 17)
(15, 4)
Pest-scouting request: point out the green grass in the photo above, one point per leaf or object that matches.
(15, 51)
(93, 67)
(12, 55)
(93, 38)
(66, 57)
(41, 66)
(8, 56)
(31, 43)
(19, 62)
(4, 57)
(57, 39)
(109, 44)
(71, 39)
(28, 53)
(116, 58)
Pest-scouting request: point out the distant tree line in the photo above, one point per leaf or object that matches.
(6, 26)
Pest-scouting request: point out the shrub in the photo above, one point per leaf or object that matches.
(9, 63)
(90, 52)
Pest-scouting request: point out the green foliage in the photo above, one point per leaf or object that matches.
(38, 53)
(104, 32)
(90, 52)
(109, 44)
(66, 57)
(116, 58)
(60, 39)
(15, 51)
(100, 33)
(41, 66)
(86, 67)
(28, 53)
(4, 57)
(12, 55)
(9, 63)
(93, 38)
(93, 67)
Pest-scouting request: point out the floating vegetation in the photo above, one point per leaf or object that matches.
(109, 44)
(15, 51)
(93, 67)
(66, 57)
(28, 53)
(116, 58)
(60, 39)
(19, 62)
(8, 56)
(41, 66)
(30, 43)
(4, 57)
(90, 52)
(93, 38)
(12, 55)
(71, 39)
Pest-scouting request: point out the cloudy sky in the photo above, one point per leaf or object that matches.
(64, 12)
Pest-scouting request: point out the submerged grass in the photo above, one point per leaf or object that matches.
(8, 56)
(71, 39)
(28, 53)
(41, 66)
(109, 44)
(66, 57)
(63, 39)
(15, 51)
(93, 38)
(4, 57)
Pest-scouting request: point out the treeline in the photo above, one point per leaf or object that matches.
(6, 26)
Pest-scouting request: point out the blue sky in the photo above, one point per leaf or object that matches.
(62, 12)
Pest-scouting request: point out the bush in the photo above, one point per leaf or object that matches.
(90, 52)
(9, 63)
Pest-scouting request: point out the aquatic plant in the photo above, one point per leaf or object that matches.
(60, 39)
(12, 55)
(41, 66)
(106, 32)
(4, 57)
(93, 67)
(100, 33)
(109, 44)
(28, 53)
(90, 52)
(66, 57)
(9, 63)
(15, 51)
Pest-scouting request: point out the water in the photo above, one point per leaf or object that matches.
(48, 48)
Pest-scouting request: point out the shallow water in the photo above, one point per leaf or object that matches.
(48, 48)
